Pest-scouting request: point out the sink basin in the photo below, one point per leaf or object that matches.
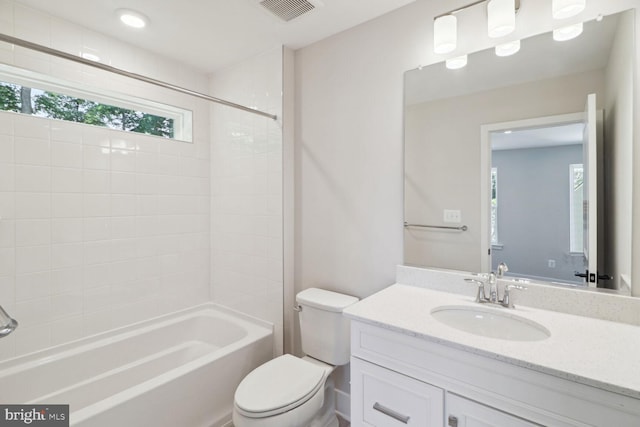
(490, 323)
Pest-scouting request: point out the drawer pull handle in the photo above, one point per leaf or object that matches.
(391, 413)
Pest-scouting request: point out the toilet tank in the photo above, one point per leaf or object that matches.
(324, 330)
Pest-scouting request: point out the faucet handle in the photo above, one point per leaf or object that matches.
(480, 296)
(506, 300)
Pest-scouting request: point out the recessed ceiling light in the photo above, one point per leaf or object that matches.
(132, 18)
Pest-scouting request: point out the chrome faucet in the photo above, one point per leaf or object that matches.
(502, 268)
(7, 324)
(493, 288)
(492, 280)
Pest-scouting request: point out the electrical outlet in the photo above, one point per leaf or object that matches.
(452, 216)
(552, 263)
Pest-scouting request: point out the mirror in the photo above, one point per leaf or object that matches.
(454, 117)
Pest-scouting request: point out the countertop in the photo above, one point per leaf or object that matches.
(593, 352)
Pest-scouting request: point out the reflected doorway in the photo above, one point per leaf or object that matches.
(537, 180)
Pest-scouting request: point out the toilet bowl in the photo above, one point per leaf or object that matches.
(298, 392)
(286, 392)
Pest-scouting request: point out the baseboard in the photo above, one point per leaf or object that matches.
(343, 405)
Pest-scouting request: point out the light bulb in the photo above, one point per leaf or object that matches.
(456, 63)
(567, 33)
(506, 49)
(501, 17)
(445, 34)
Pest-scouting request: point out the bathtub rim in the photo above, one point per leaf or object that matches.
(8, 364)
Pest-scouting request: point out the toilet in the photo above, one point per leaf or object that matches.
(298, 392)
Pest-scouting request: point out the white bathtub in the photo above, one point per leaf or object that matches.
(176, 370)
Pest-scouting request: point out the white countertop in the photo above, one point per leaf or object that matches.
(590, 351)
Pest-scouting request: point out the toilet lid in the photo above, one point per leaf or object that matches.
(278, 386)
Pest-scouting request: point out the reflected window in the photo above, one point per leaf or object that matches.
(576, 217)
(494, 206)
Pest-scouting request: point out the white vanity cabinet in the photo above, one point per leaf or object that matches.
(398, 379)
(387, 398)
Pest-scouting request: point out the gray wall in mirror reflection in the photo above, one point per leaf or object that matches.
(533, 213)
(442, 133)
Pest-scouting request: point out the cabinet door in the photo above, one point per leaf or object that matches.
(384, 398)
(462, 412)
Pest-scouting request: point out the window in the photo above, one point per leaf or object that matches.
(26, 92)
(494, 206)
(576, 217)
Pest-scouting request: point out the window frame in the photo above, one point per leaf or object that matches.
(182, 118)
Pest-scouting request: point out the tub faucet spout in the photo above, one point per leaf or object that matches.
(7, 324)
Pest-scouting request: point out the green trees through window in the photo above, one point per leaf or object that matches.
(22, 99)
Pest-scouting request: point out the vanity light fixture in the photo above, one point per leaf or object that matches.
(501, 21)
(568, 33)
(445, 34)
(507, 49)
(132, 19)
(562, 9)
(456, 63)
(501, 17)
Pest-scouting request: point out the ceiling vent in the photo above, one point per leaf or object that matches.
(288, 9)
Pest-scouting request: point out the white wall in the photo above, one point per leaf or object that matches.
(99, 228)
(619, 151)
(247, 196)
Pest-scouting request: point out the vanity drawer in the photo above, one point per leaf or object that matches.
(387, 398)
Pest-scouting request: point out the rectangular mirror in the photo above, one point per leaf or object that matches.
(504, 163)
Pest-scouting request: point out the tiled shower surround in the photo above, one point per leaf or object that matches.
(100, 228)
(246, 191)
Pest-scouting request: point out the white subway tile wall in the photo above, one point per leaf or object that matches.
(246, 193)
(87, 250)
(98, 228)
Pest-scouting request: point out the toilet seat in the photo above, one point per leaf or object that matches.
(278, 386)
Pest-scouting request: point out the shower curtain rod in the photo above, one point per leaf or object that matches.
(70, 57)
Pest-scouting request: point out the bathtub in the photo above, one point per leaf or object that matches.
(176, 370)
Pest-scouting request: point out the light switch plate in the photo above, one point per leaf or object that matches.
(453, 216)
